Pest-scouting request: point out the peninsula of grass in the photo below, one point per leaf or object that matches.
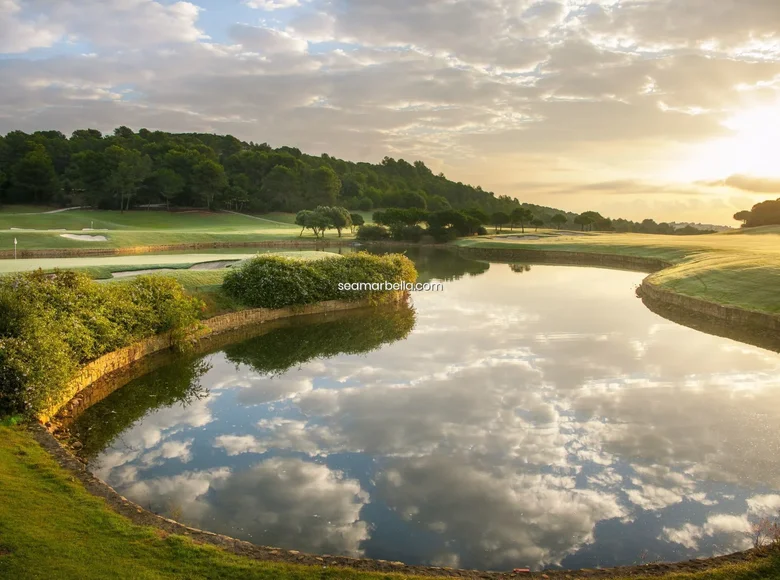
(51, 325)
(740, 268)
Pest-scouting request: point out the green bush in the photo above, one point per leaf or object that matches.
(372, 233)
(276, 282)
(51, 324)
(273, 282)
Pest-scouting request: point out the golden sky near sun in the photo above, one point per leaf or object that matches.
(636, 108)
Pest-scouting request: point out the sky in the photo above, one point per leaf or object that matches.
(668, 109)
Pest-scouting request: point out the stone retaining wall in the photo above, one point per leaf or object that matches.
(732, 315)
(123, 357)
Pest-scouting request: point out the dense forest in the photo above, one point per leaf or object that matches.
(128, 169)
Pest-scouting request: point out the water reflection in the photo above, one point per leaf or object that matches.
(540, 420)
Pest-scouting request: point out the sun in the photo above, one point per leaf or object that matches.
(751, 149)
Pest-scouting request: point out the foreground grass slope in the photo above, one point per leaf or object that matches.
(51, 527)
(738, 268)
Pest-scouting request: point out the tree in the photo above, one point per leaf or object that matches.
(357, 221)
(323, 186)
(33, 177)
(521, 215)
(582, 221)
(558, 220)
(438, 202)
(365, 204)
(318, 221)
(169, 184)
(537, 223)
(301, 219)
(499, 219)
(209, 179)
(340, 217)
(478, 215)
(128, 170)
(743, 216)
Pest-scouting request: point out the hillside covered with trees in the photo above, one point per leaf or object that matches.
(128, 169)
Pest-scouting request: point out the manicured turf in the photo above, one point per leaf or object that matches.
(740, 268)
(51, 527)
(144, 228)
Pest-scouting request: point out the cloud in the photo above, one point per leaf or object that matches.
(600, 93)
(752, 184)
(20, 34)
(271, 4)
(266, 40)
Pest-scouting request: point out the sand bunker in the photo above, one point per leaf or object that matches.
(84, 237)
(213, 265)
(129, 273)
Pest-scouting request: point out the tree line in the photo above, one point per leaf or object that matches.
(128, 169)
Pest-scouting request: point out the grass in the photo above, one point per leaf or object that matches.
(740, 268)
(144, 228)
(51, 527)
(102, 267)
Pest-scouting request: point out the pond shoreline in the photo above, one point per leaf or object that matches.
(57, 440)
(757, 328)
(138, 515)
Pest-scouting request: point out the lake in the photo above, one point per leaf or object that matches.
(525, 416)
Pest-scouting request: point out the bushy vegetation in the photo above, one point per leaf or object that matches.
(373, 233)
(51, 324)
(276, 282)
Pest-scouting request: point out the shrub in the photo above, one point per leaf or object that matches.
(407, 233)
(273, 282)
(373, 233)
(52, 324)
(276, 282)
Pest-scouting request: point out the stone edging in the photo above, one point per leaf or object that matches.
(123, 357)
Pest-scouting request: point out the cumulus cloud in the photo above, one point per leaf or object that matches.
(554, 88)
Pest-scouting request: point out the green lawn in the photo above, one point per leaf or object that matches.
(740, 268)
(51, 527)
(144, 228)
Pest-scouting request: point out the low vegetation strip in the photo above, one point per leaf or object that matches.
(276, 281)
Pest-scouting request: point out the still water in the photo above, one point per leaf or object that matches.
(525, 416)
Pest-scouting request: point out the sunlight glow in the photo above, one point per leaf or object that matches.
(750, 150)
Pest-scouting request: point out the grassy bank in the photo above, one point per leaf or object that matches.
(740, 268)
(51, 527)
